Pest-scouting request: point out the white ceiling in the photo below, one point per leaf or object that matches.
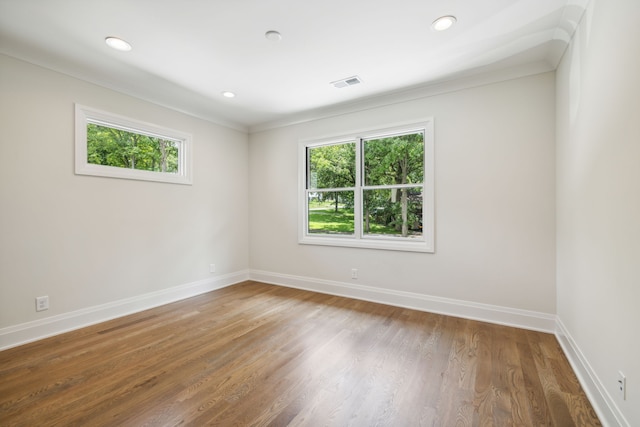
(186, 52)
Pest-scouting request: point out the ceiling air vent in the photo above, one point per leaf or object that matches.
(349, 81)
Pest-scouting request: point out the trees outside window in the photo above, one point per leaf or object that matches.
(109, 145)
(332, 177)
(374, 190)
(393, 178)
(123, 149)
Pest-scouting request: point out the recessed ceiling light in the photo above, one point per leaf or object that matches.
(273, 35)
(443, 23)
(117, 44)
(228, 94)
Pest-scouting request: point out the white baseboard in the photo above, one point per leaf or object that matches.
(13, 336)
(525, 319)
(601, 400)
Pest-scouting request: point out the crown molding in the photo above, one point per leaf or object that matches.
(408, 94)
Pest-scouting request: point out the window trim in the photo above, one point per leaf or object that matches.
(85, 115)
(358, 240)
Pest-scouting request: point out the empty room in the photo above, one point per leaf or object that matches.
(290, 213)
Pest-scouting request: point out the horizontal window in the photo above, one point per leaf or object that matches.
(372, 190)
(109, 145)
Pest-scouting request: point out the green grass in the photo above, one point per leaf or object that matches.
(324, 204)
(375, 228)
(331, 222)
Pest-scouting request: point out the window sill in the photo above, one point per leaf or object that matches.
(382, 244)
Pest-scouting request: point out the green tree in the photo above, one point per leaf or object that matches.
(392, 161)
(333, 166)
(119, 148)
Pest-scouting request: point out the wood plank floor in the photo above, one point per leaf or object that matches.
(261, 355)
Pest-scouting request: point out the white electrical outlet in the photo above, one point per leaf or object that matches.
(212, 268)
(42, 303)
(354, 273)
(622, 385)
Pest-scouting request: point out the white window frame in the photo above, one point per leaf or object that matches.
(358, 239)
(85, 115)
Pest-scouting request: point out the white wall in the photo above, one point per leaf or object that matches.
(495, 200)
(87, 241)
(598, 198)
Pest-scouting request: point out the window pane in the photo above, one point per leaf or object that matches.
(119, 148)
(332, 166)
(331, 212)
(393, 212)
(394, 160)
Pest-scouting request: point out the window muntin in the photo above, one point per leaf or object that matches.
(371, 190)
(109, 145)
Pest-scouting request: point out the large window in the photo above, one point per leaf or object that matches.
(373, 189)
(114, 146)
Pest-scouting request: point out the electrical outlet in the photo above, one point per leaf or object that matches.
(212, 268)
(354, 273)
(42, 303)
(622, 385)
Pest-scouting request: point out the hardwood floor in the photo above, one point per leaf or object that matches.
(261, 355)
